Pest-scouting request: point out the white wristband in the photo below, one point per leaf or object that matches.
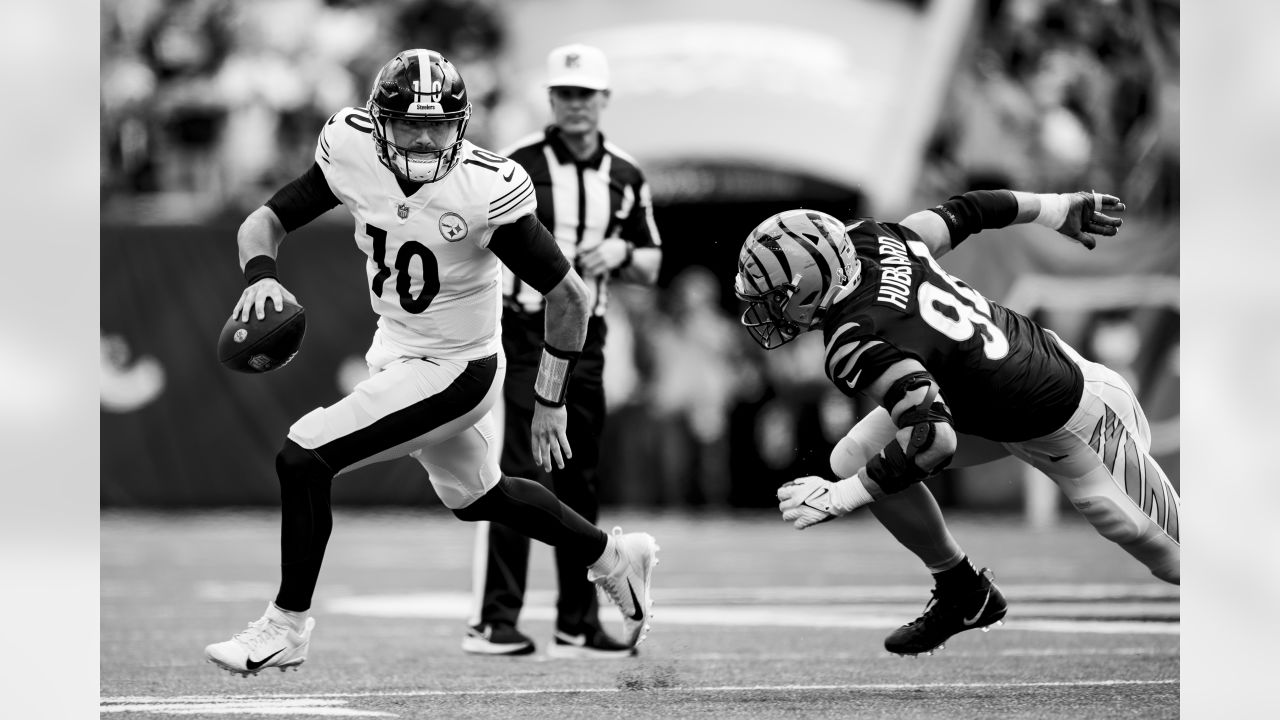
(849, 494)
(1053, 210)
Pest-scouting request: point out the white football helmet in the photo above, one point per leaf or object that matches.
(789, 270)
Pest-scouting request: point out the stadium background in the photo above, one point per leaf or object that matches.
(864, 107)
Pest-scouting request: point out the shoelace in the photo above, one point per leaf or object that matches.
(259, 632)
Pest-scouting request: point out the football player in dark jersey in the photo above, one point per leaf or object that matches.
(959, 380)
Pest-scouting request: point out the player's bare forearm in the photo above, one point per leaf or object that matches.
(260, 234)
(566, 314)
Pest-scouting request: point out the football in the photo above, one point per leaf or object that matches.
(262, 345)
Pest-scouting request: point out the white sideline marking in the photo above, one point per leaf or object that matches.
(283, 705)
(148, 702)
(457, 606)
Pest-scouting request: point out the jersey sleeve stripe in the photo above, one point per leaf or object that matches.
(840, 353)
(527, 181)
(851, 362)
(518, 202)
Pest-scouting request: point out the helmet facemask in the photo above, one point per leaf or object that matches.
(419, 166)
(766, 317)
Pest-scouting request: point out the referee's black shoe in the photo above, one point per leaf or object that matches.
(588, 642)
(950, 611)
(496, 639)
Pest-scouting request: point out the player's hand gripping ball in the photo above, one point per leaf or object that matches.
(261, 345)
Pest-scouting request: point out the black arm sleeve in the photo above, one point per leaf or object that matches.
(531, 252)
(303, 200)
(975, 211)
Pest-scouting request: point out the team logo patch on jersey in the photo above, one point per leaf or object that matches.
(453, 227)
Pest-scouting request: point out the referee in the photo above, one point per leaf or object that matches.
(596, 202)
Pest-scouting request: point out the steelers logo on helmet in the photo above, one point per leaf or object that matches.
(790, 269)
(420, 111)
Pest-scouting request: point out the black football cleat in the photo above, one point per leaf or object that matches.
(496, 639)
(950, 612)
(587, 644)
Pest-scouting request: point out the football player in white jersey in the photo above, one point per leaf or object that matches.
(436, 217)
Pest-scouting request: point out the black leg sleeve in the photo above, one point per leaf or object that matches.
(532, 510)
(306, 520)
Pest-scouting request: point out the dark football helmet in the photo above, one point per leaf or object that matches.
(424, 89)
(790, 269)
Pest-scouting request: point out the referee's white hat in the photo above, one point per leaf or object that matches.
(578, 66)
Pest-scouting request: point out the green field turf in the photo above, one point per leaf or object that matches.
(752, 620)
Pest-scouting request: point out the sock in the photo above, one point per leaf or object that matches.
(295, 619)
(608, 559)
(962, 576)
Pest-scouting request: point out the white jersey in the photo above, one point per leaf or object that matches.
(432, 280)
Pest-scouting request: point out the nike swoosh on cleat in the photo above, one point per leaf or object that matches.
(639, 613)
(974, 619)
(255, 664)
(1056, 458)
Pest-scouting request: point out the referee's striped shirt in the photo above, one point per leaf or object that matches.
(582, 203)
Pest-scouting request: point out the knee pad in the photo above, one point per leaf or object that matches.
(295, 463)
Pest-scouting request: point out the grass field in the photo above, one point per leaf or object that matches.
(752, 620)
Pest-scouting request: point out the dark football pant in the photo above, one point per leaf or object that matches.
(507, 556)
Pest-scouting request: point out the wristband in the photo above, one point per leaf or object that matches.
(1053, 210)
(554, 370)
(850, 494)
(259, 267)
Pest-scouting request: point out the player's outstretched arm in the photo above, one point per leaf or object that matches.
(529, 251)
(565, 332)
(923, 444)
(259, 241)
(1080, 216)
(304, 199)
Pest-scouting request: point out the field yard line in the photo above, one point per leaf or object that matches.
(716, 688)
(458, 606)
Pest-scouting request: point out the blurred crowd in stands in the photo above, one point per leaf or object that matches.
(212, 104)
(1065, 94)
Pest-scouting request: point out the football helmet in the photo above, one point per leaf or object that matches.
(419, 87)
(789, 270)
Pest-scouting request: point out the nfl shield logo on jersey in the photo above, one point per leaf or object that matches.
(403, 211)
(453, 227)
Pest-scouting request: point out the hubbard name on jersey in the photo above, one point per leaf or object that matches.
(1004, 377)
(432, 282)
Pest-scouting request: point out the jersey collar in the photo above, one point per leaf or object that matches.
(565, 157)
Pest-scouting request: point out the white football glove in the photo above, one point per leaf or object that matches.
(807, 501)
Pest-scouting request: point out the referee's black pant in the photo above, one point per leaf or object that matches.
(507, 556)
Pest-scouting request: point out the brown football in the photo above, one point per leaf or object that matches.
(262, 345)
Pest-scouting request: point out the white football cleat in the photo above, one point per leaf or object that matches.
(629, 581)
(268, 642)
